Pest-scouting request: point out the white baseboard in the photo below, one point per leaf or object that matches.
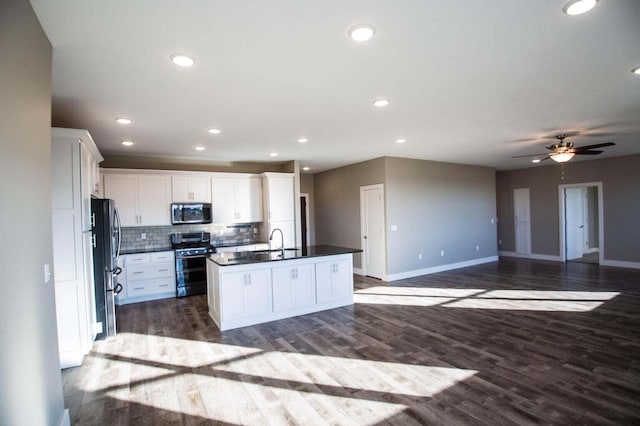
(440, 268)
(357, 271)
(621, 264)
(534, 256)
(65, 420)
(591, 250)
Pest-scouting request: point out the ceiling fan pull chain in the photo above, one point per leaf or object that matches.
(562, 168)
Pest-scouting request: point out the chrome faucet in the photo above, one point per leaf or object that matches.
(281, 238)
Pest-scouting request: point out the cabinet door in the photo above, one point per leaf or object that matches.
(280, 198)
(201, 189)
(283, 285)
(249, 200)
(223, 195)
(232, 289)
(122, 189)
(154, 200)
(324, 281)
(333, 280)
(258, 295)
(86, 186)
(96, 177)
(342, 279)
(180, 190)
(304, 290)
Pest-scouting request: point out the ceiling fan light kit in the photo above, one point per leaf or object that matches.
(562, 151)
(578, 7)
(562, 157)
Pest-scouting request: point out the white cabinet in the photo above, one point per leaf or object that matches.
(188, 188)
(73, 154)
(247, 294)
(279, 210)
(141, 199)
(334, 280)
(146, 276)
(236, 199)
(293, 287)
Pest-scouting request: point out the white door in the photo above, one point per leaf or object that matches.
(521, 209)
(573, 225)
(373, 238)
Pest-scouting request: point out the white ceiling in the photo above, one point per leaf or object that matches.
(472, 82)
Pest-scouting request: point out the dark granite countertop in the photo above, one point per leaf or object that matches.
(249, 257)
(145, 250)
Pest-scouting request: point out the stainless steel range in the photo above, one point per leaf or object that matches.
(191, 249)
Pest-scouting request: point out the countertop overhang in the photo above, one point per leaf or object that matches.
(249, 257)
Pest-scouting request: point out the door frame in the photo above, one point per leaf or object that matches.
(561, 213)
(363, 267)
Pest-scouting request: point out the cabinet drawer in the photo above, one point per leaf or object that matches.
(135, 259)
(163, 256)
(145, 288)
(151, 271)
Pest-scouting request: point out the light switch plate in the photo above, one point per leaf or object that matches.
(394, 227)
(47, 273)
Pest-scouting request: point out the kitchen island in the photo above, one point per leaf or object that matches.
(246, 288)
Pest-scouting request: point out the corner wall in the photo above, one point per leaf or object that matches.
(30, 381)
(620, 179)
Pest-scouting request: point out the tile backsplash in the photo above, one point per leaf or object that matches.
(157, 237)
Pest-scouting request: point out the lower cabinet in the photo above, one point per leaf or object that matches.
(335, 280)
(245, 294)
(241, 295)
(147, 276)
(293, 287)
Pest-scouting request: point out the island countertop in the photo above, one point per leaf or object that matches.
(249, 257)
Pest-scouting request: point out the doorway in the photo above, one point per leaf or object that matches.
(581, 233)
(372, 219)
(304, 221)
(522, 220)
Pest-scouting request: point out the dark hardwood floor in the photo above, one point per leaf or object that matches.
(511, 342)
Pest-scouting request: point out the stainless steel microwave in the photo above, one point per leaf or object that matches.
(189, 213)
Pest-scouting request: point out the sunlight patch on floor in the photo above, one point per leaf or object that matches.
(521, 300)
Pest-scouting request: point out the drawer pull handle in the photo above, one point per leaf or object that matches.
(138, 288)
(163, 285)
(163, 270)
(138, 272)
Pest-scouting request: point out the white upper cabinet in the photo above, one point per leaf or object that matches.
(195, 189)
(236, 199)
(141, 199)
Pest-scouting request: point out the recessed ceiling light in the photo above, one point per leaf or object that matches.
(306, 169)
(123, 120)
(381, 103)
(182, 60)
(127, 143)
(401, 140)
(636, 71)
(274, 154)
(199, 148)
(214, 131)
(578, 7)
(362, 32)
(536, 160)
(303, 140)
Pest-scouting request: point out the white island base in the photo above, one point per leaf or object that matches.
(254, 293)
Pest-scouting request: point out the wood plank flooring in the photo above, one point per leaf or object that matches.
(510, 342)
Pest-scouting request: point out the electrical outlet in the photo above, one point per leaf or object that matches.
(143, 236)
(492, 220)
(419, 255)
(47, 273)
(477, 248)
(394, 227)
(500, 242)
(441, 252)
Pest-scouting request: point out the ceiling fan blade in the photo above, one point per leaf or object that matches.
(580, 152)
(530, 155)
(598, 145)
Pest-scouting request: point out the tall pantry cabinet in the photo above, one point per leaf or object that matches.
(279, 208)
(74, 174)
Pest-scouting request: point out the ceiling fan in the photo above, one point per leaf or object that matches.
(562, 151)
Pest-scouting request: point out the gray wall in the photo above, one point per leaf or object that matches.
(30, 382)
(337, 202)
(306, 187)
(620, 178)
(438, 206)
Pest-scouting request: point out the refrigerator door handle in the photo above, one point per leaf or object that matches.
(117, 217)
(117, 289)
(117, 271)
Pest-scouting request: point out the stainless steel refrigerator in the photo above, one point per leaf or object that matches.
(106, 249)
